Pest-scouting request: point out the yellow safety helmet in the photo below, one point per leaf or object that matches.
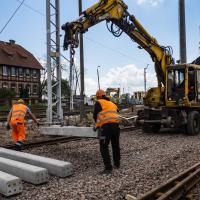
(100, 93)
(20, 101)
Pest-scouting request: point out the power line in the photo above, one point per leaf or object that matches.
(106, 47)
(12, 16)
(33, 9)
(114, 50)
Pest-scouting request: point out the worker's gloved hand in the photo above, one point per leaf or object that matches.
(94, 129)
(8, 126)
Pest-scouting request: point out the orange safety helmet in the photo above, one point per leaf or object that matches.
(100, 93)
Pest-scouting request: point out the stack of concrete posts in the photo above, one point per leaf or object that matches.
(69, 131)
(28, 167)
(9, 184)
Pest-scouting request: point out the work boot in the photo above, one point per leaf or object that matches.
(116, 166)
(18, 146)
(106, 172)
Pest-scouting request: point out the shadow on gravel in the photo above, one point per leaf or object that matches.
(169, 132)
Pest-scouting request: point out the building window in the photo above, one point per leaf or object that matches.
(13, 87)
(5, 85)
(27, 72)
(21, 72)
(35, 89)
(20, 88)
(28, 89)
(1, 70)
(34, 73)
(13, 71)
(5, 70)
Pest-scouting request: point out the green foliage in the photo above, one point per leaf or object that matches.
(4, 107)
(65, 89)
(6, 93)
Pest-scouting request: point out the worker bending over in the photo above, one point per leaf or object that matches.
(16, 119)
(107, 122)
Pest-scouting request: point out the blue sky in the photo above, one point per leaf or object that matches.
(121, 61)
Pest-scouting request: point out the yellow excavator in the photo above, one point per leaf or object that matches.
(113, 94)
(175, 102)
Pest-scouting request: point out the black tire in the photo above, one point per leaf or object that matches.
(193, 123)
(151, 128)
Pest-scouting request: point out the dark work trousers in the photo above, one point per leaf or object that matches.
(110, 132)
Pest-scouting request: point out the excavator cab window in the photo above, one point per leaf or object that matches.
(176, 84)
(191, 84)
(198, 84)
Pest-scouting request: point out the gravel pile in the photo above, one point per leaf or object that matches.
(147, 161)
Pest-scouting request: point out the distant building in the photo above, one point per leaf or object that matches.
(19, 71)
(138, 95)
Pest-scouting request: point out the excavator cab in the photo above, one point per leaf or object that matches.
(183, 85)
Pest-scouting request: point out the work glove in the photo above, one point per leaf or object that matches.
(94, 129)
(8, 126)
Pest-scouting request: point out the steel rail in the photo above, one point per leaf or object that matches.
(175, 188)
(51, 141)
(60, 139)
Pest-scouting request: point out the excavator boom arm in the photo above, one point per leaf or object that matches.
(118, 20)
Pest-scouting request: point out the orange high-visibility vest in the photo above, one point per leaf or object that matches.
(18, 112)
(108, 114)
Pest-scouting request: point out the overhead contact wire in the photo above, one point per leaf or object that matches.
(12, 16)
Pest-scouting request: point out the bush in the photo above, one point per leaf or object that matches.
(6, 93)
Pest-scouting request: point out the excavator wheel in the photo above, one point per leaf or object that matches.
(193, 123)
(151, 128)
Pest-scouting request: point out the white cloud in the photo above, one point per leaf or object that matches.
(129, 77)
(151, 2)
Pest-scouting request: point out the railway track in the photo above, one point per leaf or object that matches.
(58, 140)
(177, 188)
(41, 112)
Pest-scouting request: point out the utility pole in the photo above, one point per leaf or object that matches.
(145, 78)
(98, 77)
(54, 109)
(182, 32)
(82, 93)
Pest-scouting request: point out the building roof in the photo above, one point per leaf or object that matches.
(15, 55)
(196, 61)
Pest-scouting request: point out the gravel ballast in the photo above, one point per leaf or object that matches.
(147, 161)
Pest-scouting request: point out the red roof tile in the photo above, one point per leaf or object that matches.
(16, 55)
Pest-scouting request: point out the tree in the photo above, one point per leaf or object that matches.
(65, 89)
(7, 93)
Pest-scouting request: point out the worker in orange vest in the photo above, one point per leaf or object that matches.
(106, 117)
(16, 120)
